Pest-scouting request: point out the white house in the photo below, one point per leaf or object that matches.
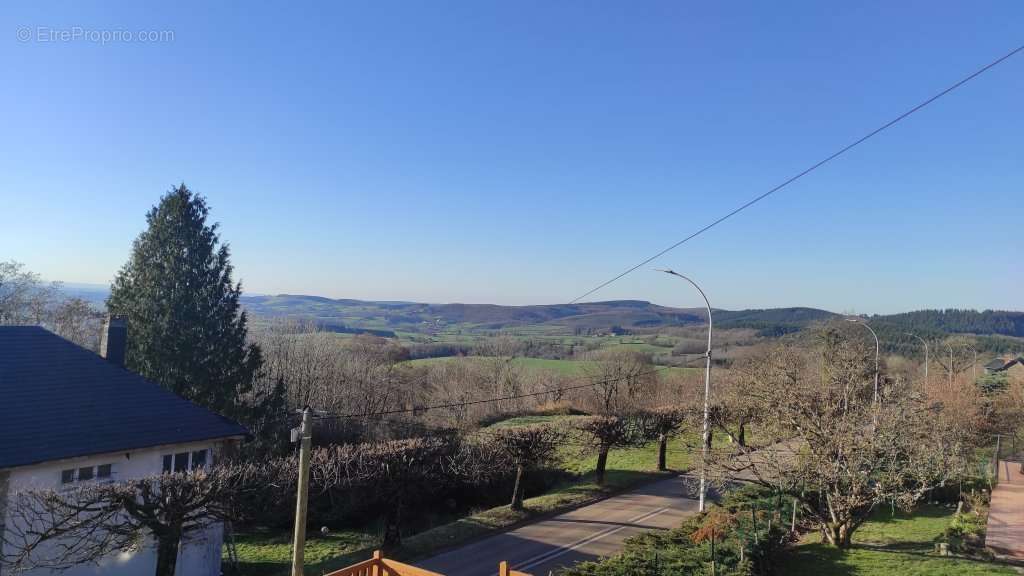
(69, 416)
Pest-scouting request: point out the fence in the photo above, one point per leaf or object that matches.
(378, 565)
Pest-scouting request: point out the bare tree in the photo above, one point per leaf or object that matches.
(58, 530)
(734, 409)
(76, 320)
(660, 424)
(833, 448)
(962, 358)
(353, 376)
(623, 380)
(525, 448)
(24, 297)
(303, 358)
(606, 432)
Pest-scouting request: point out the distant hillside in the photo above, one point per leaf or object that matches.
(997, 322)
(385, 317)
(587, 317)
(416, 317)
(772, 321)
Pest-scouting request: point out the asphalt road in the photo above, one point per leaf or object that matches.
(587, 533)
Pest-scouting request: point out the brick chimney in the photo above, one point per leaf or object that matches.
(114, 340)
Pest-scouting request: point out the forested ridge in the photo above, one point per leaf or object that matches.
(957, 321)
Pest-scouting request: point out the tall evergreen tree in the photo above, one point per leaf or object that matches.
(186, 328)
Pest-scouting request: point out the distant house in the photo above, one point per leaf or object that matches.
(1011, 366)
(69, 416)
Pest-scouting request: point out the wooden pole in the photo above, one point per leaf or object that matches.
(995, 458)
(299, 542)
(792, 524)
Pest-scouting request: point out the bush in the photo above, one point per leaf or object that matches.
(684, 551)
(966, 531)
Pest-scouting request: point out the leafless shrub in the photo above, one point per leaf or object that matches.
(58, 530)
(602, 433)
(522, 448)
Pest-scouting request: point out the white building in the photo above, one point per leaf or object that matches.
(68, 416)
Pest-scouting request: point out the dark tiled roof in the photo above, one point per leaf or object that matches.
(995, 364)
(1000, 364)
(58, 400)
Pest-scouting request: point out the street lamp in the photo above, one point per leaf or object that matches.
(706, 437)
(865, 324)
(923, 341)
(974, 363)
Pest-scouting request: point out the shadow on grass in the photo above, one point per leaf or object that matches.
(885, 515)
(902, 547)
(614, 479)
(817, 559)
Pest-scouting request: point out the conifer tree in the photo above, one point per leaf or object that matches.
(186, 328)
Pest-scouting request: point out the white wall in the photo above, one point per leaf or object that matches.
(197, 557)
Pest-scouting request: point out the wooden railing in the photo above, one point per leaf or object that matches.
(381, 566)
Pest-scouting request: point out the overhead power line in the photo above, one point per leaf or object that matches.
(807, 171)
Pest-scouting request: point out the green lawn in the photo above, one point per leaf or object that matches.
(564, 367)
(889, 545)
(532, 419)
(269, 554)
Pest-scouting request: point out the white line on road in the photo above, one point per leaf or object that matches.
(551, 554)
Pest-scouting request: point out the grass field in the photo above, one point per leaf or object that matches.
(889, 545)
(268, 554)
(565, 367)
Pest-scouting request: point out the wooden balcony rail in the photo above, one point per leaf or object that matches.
(381, 566)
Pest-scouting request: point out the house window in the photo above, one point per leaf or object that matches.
(183, 461)
(198, 459)
(87, 473)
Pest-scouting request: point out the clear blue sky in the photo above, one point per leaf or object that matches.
(521, 152)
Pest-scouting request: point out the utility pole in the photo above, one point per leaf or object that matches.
(948, 347)
(299, 542)
(706, 436)
(974, 364)
(923, 341)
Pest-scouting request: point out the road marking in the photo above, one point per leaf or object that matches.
(552, 554)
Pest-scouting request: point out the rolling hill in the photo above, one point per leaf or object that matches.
(387, 317)
(588, 317)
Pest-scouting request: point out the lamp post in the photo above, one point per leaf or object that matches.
(974, 363)
(706, 436)
(865, 324)
(923, 341)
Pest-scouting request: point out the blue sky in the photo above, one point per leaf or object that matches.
(523, 152)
